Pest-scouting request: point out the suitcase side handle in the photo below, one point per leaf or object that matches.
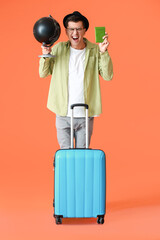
(72, 135)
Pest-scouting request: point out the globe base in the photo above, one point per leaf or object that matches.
(47, 56)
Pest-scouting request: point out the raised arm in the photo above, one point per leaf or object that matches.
(45, 64)
(105, 62)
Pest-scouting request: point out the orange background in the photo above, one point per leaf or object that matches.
(128, 130)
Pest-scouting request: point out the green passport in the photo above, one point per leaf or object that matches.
(99, 34)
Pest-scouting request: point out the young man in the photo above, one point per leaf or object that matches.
(75, 78)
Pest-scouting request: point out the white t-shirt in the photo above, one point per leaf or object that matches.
(76, 81)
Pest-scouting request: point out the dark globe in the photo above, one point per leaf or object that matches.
(47, 30)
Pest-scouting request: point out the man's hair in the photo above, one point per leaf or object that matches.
(74, 18)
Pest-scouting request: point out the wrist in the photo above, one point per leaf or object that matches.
(102, 52)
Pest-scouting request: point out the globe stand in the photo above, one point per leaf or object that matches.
(47, 55)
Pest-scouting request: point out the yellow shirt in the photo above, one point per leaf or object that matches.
(95, 63)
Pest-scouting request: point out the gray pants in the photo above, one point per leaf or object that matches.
(63, 125)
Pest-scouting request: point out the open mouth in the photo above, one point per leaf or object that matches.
(75, 38)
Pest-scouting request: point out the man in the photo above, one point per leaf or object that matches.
(75, 78)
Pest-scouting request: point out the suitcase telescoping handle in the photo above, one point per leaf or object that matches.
(72, 132)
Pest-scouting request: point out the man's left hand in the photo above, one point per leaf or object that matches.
(104, 45)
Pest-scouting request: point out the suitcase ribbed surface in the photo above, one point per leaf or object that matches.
(80, 183)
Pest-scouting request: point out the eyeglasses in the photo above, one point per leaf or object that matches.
(71, 30)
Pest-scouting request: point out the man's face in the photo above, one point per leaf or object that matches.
(75, 32)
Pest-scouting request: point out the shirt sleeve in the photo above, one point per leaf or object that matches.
(105, 66)
(45, 67)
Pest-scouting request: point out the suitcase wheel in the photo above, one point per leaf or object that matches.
(58, 220)
(100, 220)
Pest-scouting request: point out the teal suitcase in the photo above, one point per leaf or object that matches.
(79, 181)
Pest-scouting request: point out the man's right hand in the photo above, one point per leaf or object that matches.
(45, 50)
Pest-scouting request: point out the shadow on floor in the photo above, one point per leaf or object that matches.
(132, 203)
(79, 221)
